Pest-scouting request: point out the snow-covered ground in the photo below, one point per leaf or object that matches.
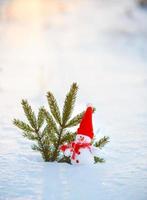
(46, 45)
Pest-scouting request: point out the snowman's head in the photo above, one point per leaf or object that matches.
(83, 138)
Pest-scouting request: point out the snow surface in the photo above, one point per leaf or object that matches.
(46, 45)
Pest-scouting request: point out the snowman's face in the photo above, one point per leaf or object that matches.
(83, 138)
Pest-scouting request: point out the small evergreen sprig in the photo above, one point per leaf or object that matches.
(50, 129)
(100, 144)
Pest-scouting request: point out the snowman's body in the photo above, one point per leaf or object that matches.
(84, 156)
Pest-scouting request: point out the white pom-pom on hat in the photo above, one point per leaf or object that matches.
(89, 105)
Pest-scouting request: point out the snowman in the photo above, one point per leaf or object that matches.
(81, 150)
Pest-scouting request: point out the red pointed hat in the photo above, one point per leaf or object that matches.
(86, 127)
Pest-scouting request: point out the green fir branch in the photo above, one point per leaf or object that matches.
(50, 121)
(69, 103)
(98, 160)
(49, 136)
(44, 149)
(68, 137)
(76, 120)
(58, 142)
(102, 142)
(23, 126)
(40, 119)
(54, 107)
(65, 159)
(29, 114)
(36, 147)
(30, 136)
